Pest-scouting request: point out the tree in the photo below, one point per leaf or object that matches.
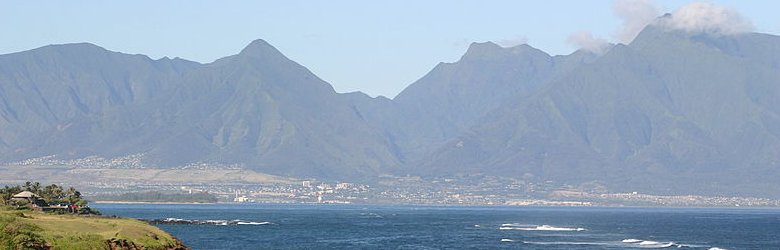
(53, 194)
(72, 195)
(36, 187)
(7, 193)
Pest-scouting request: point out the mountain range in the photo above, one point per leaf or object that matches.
(671, 112)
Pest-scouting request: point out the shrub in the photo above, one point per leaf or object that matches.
(29, 240)
(18, 235)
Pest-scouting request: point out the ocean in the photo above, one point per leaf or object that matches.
(320, 226)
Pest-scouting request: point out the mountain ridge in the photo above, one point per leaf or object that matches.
(670, 112)
(638, 127)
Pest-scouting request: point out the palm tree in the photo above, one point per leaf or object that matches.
(52, 193)
(57, 193)
(72, 195)
(36, 187)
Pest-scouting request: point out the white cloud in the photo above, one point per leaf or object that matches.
(636, 14)
(586, 41)
(707, 18)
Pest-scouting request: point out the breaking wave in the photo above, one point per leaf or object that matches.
(655, 244)
(206, 222)
(511, 226)
(252, 223)
(566, 243)
(626, 243)
(631, 243)
(516, 225)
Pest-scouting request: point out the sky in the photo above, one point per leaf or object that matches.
(377, 47)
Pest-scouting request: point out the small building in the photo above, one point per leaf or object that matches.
(33, 199)
(241, 199)
(25, 196)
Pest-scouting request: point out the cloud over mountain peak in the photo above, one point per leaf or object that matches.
(706, 18)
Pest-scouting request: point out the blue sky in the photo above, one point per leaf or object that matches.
(378, 47)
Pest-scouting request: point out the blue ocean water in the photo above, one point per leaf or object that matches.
(307, 226)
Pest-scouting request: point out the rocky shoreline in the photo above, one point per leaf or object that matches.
(123, 244)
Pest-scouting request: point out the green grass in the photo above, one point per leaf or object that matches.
(78, 241)
(76, 232)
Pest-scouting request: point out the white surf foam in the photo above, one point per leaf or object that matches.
(566, 243)
(618, 244)
(692, 246)
(624, 244)
(552, 228)
(539, 228)
(516, 225)
(213, 222)
(252, 223)
(637, 243)
(507, 240)
(175, 220)
(655, 244)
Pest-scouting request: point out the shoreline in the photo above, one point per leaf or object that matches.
(154, 202)
(498, 206)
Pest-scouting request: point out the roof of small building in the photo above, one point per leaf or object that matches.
(25, 194)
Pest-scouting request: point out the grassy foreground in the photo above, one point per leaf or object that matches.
(25, 229)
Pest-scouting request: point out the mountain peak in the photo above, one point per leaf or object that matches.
(482, 49)
(655, 34)
(484, 46)
(493, 51)
(85, 48)
(260, 48)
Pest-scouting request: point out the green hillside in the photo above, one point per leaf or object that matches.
(25, 229)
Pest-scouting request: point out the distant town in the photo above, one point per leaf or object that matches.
(477, 190)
